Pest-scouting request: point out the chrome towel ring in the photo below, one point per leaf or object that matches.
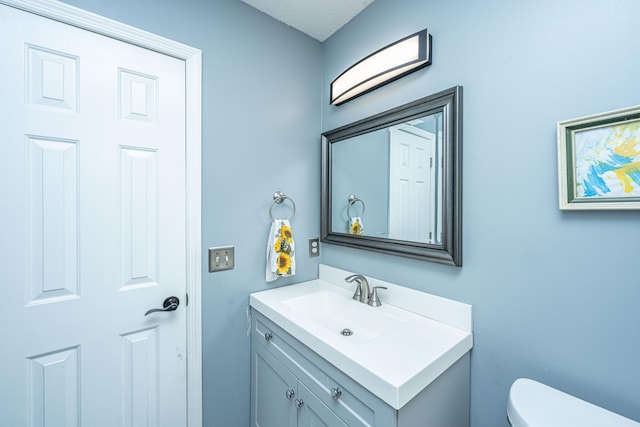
(352, 200)
(278, 198)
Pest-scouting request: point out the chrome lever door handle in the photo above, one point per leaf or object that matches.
(169, 304)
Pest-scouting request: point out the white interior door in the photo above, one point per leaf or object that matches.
(92, 180)
(411, 184)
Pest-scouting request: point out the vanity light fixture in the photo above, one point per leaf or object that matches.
(383, 66)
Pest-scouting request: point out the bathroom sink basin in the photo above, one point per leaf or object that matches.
(358, 323)
(394, 351)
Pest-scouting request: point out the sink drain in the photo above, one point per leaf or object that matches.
(346, 332)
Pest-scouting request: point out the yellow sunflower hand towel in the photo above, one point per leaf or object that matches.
(355, 225)
(281, 259)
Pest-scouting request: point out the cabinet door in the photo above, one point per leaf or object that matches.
(272, 389)
(314, 413)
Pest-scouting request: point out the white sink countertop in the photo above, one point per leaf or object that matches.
(396, 350)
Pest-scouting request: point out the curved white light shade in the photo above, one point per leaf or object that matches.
(383, 66)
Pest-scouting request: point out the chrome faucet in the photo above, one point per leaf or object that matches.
(362, 289)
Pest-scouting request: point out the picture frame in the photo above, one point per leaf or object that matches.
(599, 161)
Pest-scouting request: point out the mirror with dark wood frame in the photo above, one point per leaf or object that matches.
(392, 183)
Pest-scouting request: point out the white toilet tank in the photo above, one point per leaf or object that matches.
(532, 404)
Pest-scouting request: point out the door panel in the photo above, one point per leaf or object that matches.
(53, 219)
(92, 178)
(140, 376)
(53, 379)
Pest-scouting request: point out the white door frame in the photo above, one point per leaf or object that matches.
(193, 61)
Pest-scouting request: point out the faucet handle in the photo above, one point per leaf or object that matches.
(374, 301)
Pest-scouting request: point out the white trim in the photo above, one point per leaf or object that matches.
(193, 64)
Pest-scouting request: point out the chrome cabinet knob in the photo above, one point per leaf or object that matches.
(268, 336)
(336, 392)
(289, 394)
(299, 403)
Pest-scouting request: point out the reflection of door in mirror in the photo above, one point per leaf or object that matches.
(415, 180)
(412, 184)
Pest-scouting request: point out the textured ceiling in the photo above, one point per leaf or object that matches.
(316, 18)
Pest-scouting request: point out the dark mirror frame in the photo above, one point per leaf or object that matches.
(449, 102)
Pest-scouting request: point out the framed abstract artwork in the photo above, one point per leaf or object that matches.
(599, 161)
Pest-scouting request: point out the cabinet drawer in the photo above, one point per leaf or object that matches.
(355, 405)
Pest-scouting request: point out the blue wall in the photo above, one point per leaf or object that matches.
(555, 294)
(261, 133)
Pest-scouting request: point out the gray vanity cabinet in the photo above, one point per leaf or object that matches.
(280, 365)
(291, 385)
